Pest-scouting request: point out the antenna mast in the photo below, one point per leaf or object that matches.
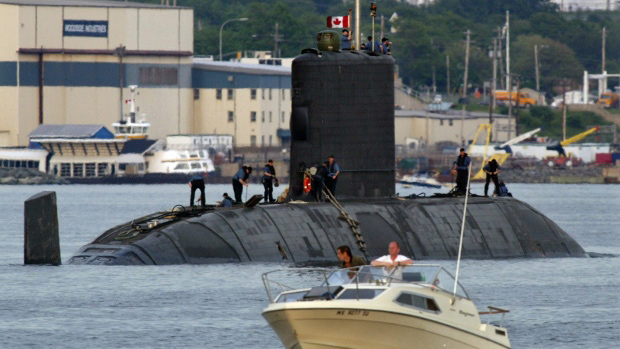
(458, 260)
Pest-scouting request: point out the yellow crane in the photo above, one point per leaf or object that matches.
(500, 158)
(576, 138)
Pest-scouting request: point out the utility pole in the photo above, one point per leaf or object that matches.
(563, 109)
(509, 82)
(603, 51)
(448, 75)
(491, 105)
(358, 15)
(275, 50)
(536, 68)
(464, 94)
(494, 81)
(518, 119)
(507, 46)
(382, 26)
(501, 66)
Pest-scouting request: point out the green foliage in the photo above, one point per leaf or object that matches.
(550, 121)
(426, 35)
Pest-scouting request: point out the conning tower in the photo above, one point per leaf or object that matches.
(343, 105)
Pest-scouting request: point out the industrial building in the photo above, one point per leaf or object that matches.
(415, 128)
(252, 102)
(71, 62)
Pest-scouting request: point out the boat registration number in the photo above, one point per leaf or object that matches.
(353, 312)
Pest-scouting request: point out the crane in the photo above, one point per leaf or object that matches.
(499, 157)
(560, 146)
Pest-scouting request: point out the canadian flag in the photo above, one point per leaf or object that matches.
(338, 22)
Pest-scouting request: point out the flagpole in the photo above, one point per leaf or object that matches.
(358, 38)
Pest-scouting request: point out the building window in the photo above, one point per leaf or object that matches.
(253, 141)
(65, 170)
(218, 93)
(282, 116)
(158, 76)
(283, 94)
(440, 122)
(263, 116)
(90, 169)
(262, 141)
(230, 94)
(264, 92)
(78, 170)
(102, 168)
(270, 118)
(253, 116)
(196, 94)
(450, 122)
(253, 93)
(231, 116)
(270, 138)
(269, 94)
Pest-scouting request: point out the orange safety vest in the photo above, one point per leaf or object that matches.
(307, 185)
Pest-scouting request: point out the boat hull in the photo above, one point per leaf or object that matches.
(367, 328)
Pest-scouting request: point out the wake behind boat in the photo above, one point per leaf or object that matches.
(411, 306)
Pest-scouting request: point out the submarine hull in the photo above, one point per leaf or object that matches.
(426, 228)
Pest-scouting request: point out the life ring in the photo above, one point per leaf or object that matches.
(307, 185)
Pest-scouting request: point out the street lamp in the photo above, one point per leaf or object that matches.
(222, 27)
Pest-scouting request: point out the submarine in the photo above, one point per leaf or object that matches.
(342, 105)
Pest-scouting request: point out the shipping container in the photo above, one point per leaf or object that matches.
(604, 158)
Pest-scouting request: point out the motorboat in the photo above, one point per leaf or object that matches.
(420, 181)
(375, 307)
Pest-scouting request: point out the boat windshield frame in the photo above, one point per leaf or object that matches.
(426, 275)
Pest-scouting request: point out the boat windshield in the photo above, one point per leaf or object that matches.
(433, 275)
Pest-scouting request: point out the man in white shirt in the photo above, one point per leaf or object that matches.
(392, 260)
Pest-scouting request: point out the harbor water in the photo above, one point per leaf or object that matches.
(553, 303)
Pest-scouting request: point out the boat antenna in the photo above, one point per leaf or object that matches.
(458, 260)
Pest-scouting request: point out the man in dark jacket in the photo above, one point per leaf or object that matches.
(269, 173)
(319, 181)
(239, 180)
(461, 166)
(333, 171)
(492, 169)
(195, 183)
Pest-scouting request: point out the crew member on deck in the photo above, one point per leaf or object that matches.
(345, 40)
(492, 169)
(461, 166)
(226, 202)
(195, 183)
(239, 180)
(333, 171)
(269, 173)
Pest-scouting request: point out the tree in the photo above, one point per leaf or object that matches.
(556, 61)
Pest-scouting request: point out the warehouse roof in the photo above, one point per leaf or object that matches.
(84, 3)
(71, 131)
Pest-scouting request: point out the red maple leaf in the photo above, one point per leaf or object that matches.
(337, 21)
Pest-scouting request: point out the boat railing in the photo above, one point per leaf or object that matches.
(495, 311)
(425, 275)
